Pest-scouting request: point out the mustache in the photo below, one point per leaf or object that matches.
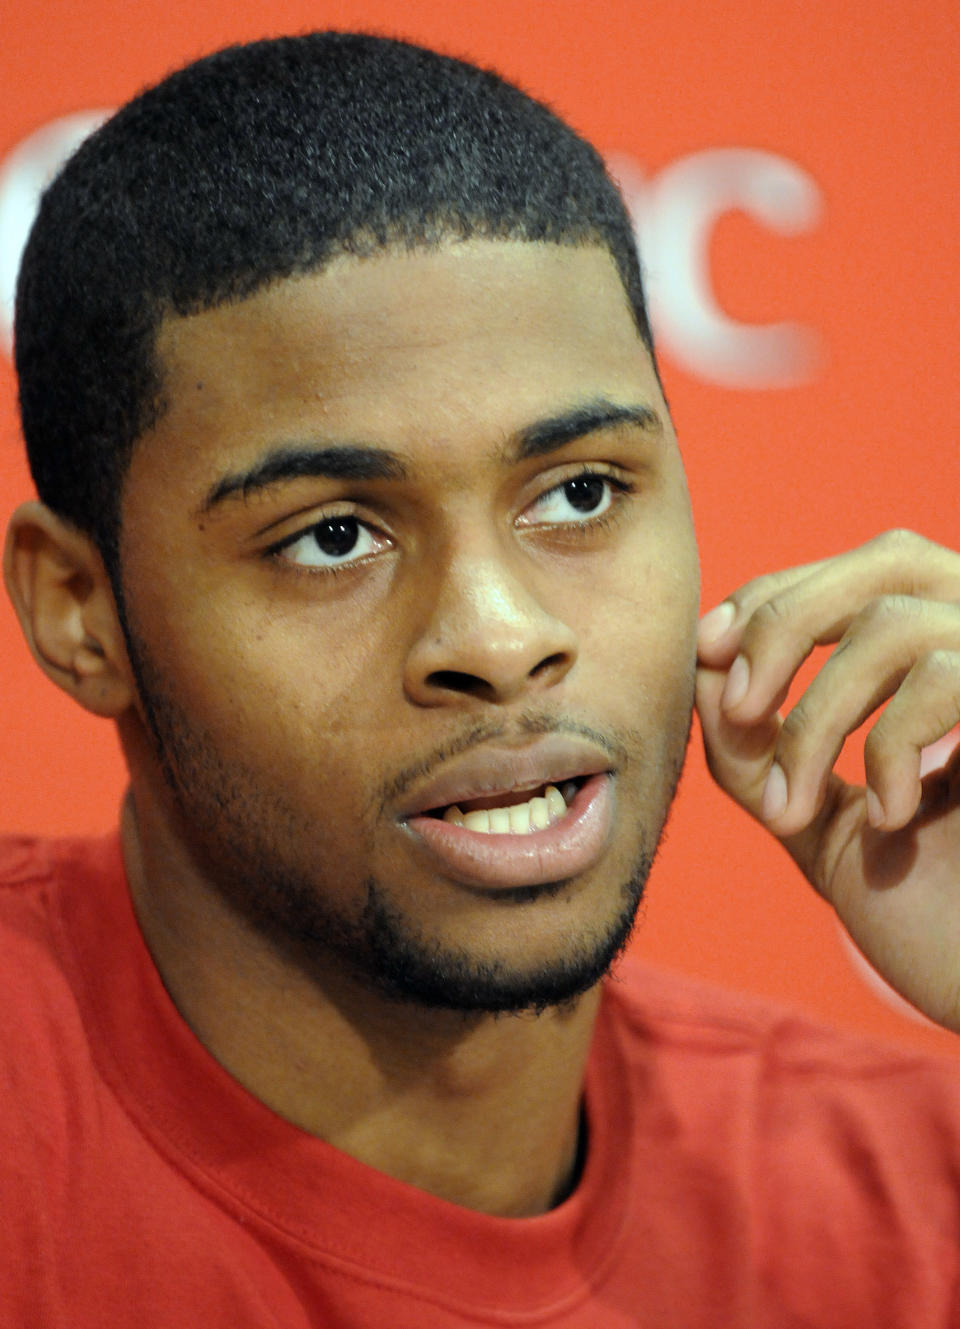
(525, 726)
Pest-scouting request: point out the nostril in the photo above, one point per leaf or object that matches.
(452, 680)
(471, 685)
(550, 662)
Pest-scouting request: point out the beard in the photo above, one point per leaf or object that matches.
(243, 835)
(383, 948)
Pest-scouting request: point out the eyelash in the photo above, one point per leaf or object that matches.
(619, 487)
(274, 552)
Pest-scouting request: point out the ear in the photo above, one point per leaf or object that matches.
(63, 598)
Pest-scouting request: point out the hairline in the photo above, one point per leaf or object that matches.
(169, 316)
(127, 395)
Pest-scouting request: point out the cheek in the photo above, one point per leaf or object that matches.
(274, 689)
(641, 659)
(646, 617)
(293, 700)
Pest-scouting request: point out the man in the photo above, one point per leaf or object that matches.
(362, 517)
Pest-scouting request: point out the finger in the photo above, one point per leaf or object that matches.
(719, 631)
(896, 561)
(818, 608)
(874, 657)
(739, 756)
(924, 709)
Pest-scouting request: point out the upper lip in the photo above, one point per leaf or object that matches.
(491, 770)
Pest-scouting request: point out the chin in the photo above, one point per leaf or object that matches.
(394, 957)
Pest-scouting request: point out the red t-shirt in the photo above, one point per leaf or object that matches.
(746, 1168)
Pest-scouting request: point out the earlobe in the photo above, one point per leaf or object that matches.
(63, 598)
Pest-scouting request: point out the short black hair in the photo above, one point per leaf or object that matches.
(260, 162)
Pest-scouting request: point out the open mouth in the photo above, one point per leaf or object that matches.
(526, 835)
(516, 812)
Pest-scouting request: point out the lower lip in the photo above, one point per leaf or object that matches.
(569, 847)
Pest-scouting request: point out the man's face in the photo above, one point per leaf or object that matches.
(413, 532)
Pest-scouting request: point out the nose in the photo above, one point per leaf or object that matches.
(487, 636)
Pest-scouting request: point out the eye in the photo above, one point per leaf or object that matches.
(331, 543)
(579, 499)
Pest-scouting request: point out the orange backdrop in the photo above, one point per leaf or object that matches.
(793, 171)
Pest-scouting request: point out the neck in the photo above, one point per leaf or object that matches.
(481, 1110)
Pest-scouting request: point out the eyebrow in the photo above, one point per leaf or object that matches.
(350, 461)
(294, 461)
(548, 436)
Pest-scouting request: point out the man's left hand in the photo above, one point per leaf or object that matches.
(887, 855)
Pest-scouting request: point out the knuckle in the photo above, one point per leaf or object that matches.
(887, 613)
(777, 627)
(877, 746)
(939, 668)
(771, 611)
(899, 542)
(910, 560)
(795, 728)
(764, 620)
(752, 594)
(768, 619)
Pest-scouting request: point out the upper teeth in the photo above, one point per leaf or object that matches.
(519, 819)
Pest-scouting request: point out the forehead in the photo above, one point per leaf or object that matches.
(408, 349)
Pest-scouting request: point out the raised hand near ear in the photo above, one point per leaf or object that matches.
(887, 855)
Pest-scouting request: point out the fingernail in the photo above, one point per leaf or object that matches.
(738, 680)
(875, 813)
(774, 793)
(715, 624)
